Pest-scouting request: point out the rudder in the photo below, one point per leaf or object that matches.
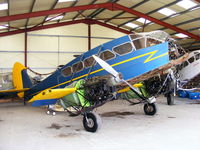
(21, 79)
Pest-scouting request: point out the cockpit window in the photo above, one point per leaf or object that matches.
(151, 42)
(139, 43)
(77, 67)
(106, 55)
(123, 49)
(67, 71)
(89, 61)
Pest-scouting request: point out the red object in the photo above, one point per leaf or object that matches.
(110, 6)
(134, 12)
(25, 49)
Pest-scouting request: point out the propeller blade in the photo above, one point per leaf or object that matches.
(112, 71)
(106, 66)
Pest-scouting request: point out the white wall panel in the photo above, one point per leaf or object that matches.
(44, 45)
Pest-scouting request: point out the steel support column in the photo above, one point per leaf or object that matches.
(89, 36)
(25, 49)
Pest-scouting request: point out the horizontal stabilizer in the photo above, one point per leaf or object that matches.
(14, 90)
(49, 96)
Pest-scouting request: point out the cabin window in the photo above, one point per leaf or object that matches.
(191, 60)
(77, 67)
(197, 56)
(185, 64)
(139, 43)
(67, 71)
(89, 61)
(151, 42)
(123, 49)
(106, 55)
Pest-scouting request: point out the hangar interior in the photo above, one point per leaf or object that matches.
(43, 35)
(57, 32)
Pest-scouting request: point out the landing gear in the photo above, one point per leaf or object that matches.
(91, 121)
(51, 112)
(150, 109)
(170, 99)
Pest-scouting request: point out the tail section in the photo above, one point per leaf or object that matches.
(21, 80)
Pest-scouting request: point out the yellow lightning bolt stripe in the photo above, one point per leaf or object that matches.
(116, 64)
(153, 53)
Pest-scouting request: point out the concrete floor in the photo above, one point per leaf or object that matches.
(172, 128)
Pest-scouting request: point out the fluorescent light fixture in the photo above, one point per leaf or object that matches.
(54, 18)
(181, 35)
(142, 20)
(132, 25)
(60, 1)
(186, 4)
(4, 26)
(166, 11)
(3, 6)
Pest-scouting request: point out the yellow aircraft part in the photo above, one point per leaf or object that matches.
(52, 94)
(17, 77)
(138, 85)
(14, 90)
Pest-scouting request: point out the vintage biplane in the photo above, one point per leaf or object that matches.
(101, 74)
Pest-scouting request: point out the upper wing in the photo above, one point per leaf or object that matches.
(50, 96)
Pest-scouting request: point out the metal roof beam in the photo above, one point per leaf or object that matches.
(83, 10)
(86, 21)
(95, 13)
(165, 18)
(134, 6)
(55, 11)
(185, 22)
(151, 12)
(31, 10)
(137, 13)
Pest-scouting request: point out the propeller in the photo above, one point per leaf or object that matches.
(113, 72)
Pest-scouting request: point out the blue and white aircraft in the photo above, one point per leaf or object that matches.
(94, 78)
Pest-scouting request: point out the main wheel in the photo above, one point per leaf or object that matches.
(170, 99)
(91, 122)
(150, 109)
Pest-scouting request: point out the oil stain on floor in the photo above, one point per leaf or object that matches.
(62, 135)
(117, 114)
(54, 126)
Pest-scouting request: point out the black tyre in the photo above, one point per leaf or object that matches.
(170, 99)
(150, 109)
(91, 122)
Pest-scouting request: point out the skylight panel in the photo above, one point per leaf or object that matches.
(4, 26)
(54, 18)
(3, 6)
(132, 25)
(166, 11)
(60, 1)
(142, 20)
(181, 35)
(186, 4)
